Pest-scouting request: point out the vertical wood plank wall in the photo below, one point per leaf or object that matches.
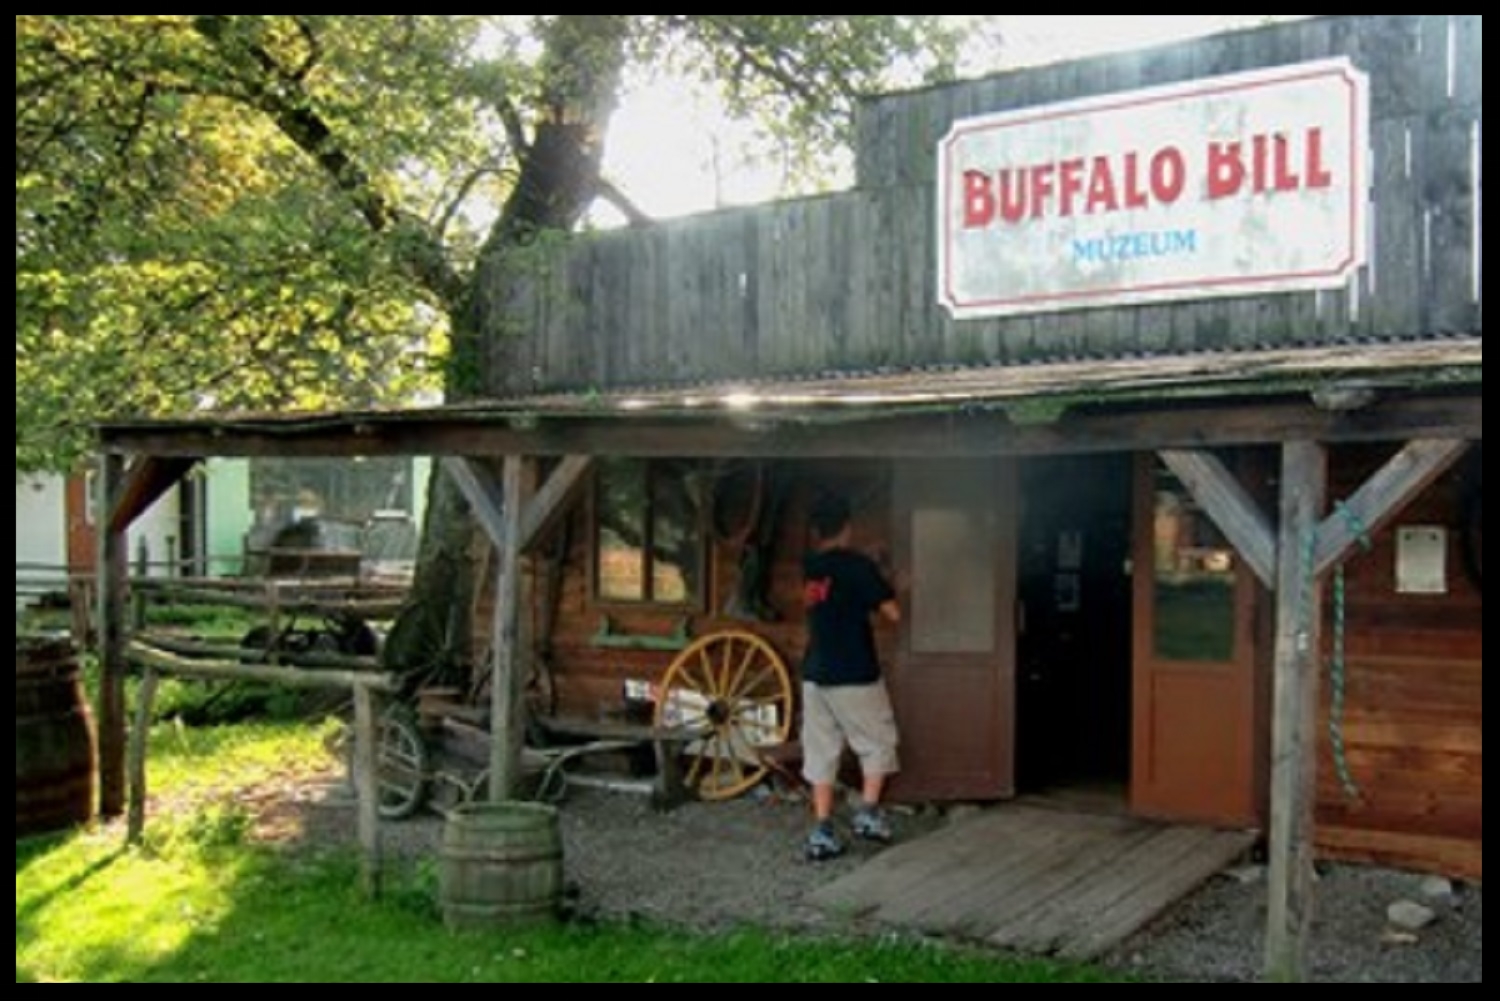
(848, 282)
(1415, 718)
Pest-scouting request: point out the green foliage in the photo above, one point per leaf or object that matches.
(800, 75)
(264, 211)
(175, 251)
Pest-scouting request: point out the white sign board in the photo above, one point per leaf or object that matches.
(1422, 561)
(1235, 185)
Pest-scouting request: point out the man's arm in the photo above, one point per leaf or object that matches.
(889, 607)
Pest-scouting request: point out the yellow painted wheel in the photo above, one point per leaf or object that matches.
(731, 688)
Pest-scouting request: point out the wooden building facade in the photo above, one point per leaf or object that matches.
(1078, 668)
(1210, 542)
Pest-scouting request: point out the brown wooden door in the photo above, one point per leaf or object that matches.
(1194, 732)
(954, 680)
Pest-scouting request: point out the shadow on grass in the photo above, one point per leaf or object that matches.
(34, 906)
(29, 850)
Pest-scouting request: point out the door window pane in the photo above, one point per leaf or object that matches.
(1195, 579)
(953, 581)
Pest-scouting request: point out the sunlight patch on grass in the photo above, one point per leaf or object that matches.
(86, 906)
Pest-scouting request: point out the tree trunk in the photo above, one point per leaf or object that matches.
(583, 65)
(433, 638)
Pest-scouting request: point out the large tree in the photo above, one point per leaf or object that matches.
(255, 210)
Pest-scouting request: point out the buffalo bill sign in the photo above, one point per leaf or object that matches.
(1235, 185)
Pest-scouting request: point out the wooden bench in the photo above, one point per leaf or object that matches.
(603, 736)
(565, 740)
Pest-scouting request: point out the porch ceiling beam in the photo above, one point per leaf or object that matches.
(1384, 497)
(956, 434)
(1231, 507)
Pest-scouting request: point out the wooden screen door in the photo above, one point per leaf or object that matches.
(1194, 730)
(954, 680)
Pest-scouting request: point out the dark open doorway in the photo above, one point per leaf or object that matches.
(1074, 679)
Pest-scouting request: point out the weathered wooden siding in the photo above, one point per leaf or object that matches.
(848, 282)
(1415, 720)
(590, 681)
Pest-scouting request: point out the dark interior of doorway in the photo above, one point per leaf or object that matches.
(1074, 680)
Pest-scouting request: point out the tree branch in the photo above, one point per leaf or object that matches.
(465, 188)
(763, 58)
(284, 99)
(314, 49)
(515, 128)
(611, 194)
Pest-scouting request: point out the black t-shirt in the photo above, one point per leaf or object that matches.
(842, 590)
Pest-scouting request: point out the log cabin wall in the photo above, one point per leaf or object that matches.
(590, 679)
(1415, 717)
(849, 282)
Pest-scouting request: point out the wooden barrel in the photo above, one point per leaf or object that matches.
(502, 865)
(54, 740)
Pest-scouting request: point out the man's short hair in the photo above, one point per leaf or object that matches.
(830, 515)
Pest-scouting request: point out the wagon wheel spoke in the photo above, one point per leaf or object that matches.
(729, 764)
(734, 687)
(704, 759)
(737, 683)
(706, 667)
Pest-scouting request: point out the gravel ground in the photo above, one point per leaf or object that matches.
(713, 867)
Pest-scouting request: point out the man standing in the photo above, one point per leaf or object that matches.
(845, 701)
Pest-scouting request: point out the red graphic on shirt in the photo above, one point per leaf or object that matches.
(817, 592)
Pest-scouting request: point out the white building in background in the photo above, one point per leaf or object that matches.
(55, 533)
(41, 521)
(202, 526)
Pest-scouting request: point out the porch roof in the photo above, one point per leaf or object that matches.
(1356, 391)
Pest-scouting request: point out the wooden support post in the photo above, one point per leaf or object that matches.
(554, 500)
(140, 735)
(1382, 499)
(273, 622)
(1231, 507)
(367, 788)
(507, 709)
(138, 594)
(114, 573)
(1294, 757)
(548, 504)
(485, 499)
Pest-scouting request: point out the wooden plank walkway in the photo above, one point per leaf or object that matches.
(1036, 880)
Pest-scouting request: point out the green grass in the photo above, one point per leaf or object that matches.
(202, 904)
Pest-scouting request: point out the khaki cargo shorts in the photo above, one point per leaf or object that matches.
(861, 717)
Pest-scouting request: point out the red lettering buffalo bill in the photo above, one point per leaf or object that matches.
(1268, 164)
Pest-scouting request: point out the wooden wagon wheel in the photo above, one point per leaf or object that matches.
(734, 690)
